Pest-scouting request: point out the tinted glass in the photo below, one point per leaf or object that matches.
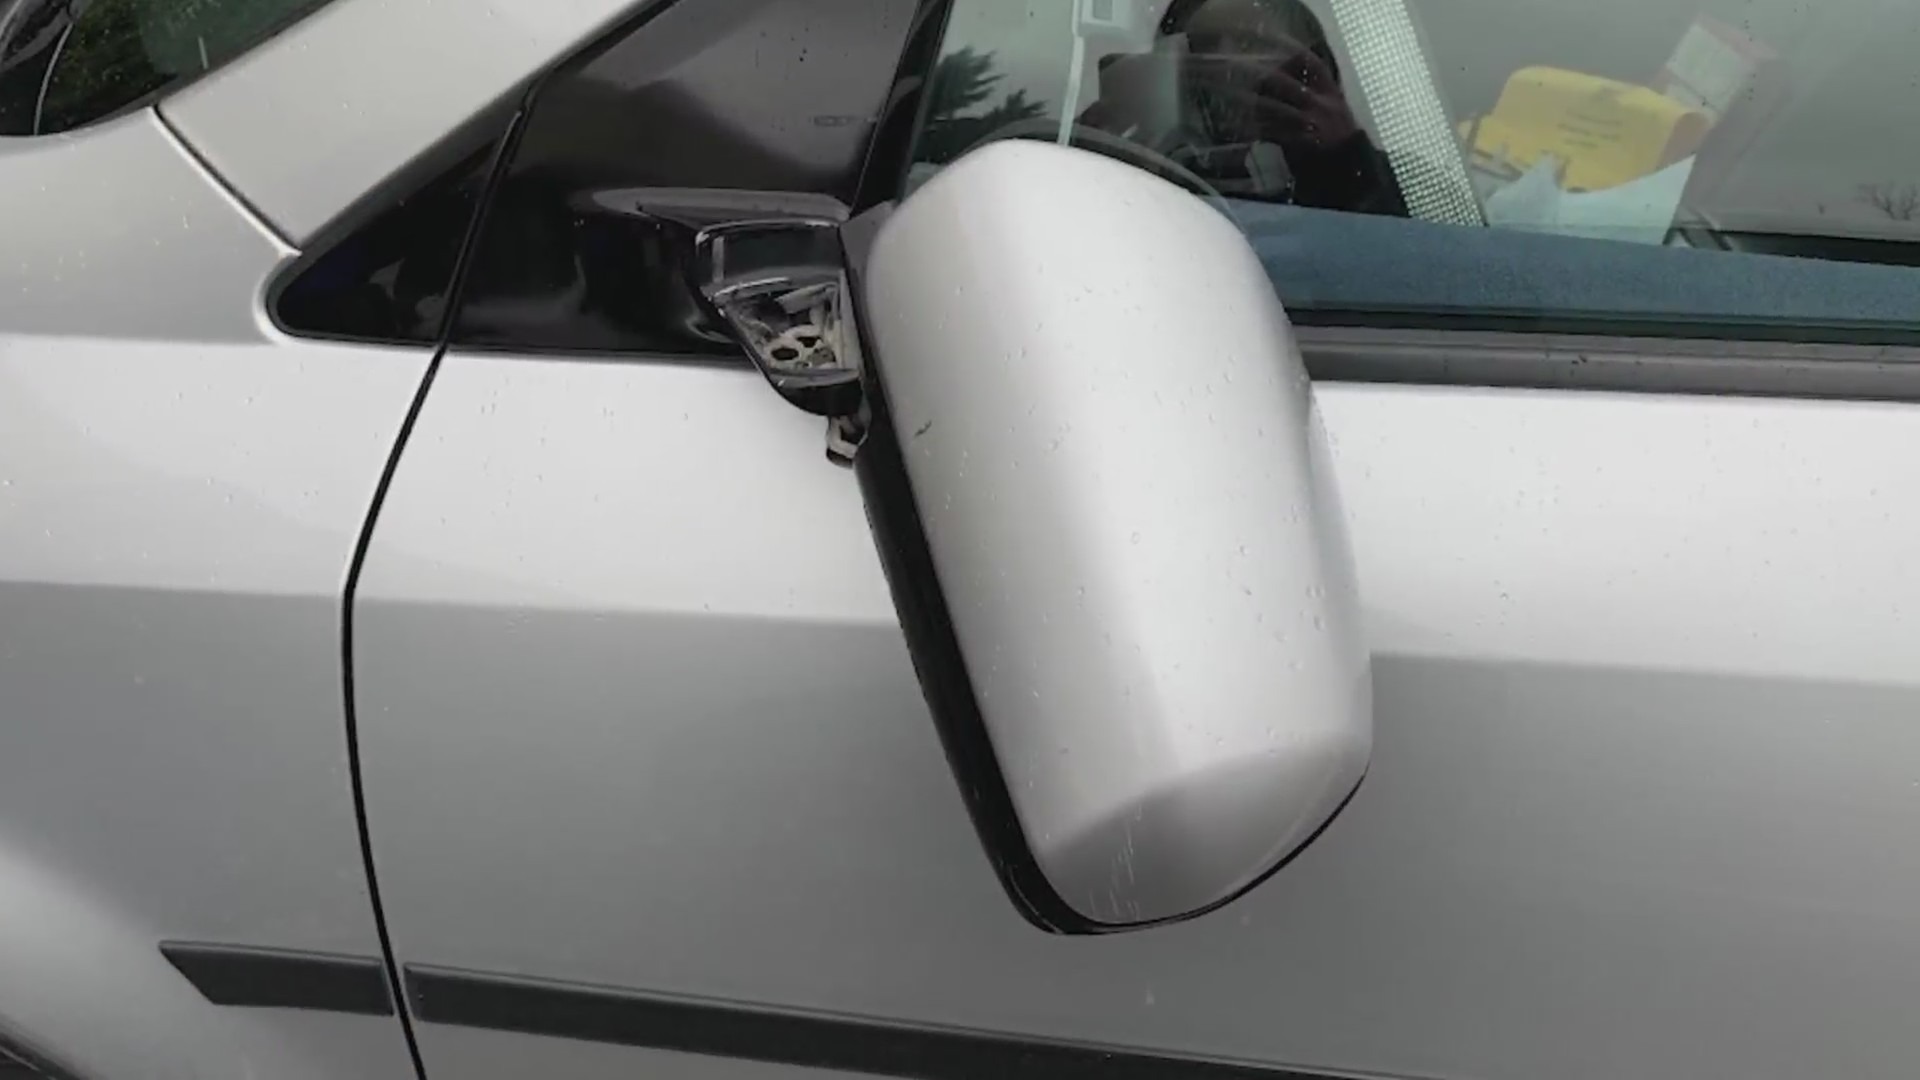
(389, 279)
(1719, 167)
(707, 98)
(64, 63)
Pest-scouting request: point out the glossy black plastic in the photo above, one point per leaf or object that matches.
(765, 96)
(389, 279)
(897, 129)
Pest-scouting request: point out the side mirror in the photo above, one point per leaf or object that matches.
(1102, 493)
(1096, 469)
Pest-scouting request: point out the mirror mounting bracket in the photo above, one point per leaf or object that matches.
(845, 436)
(780, 287)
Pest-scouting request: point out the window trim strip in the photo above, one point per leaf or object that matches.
(1708, 367)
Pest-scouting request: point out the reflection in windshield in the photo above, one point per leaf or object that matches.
(1262, 113)
(1781, 117)
(1806, 103)
(965, 105)
(1716, 148)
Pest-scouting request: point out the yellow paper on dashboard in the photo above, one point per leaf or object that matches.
(1603, 132)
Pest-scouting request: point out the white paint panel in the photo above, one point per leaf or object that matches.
(1651, 812)
(316, 117)
(181, 490)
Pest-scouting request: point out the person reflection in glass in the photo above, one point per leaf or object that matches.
(1259, 74)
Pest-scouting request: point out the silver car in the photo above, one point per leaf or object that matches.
(959, 538)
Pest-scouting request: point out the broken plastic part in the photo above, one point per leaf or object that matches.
(781, 289)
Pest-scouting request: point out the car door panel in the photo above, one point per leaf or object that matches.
(1641, 687)
(632, 692)
(545, 519)
(181, 491)
(652, 787)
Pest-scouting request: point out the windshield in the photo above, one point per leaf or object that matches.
(1642, 159)
(67, 63)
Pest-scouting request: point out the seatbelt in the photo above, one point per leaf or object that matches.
(1410, 122)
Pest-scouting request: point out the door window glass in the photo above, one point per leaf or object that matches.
(1715, 167)
(65, 63)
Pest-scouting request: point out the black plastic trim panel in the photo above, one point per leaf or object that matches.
(1743, 368)
(282, 978)
(276, 978)
(890, 153)
(802, 1039)
(920, 601)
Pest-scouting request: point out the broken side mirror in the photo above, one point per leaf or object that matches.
(780, 286)
(1104, 502)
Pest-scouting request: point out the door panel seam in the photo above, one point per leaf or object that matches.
(240, 202)
(355, 772)
(455, 290)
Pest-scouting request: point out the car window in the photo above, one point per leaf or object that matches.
(1717, 167)
(67, 63)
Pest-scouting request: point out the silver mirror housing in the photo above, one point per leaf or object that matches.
(1104, 495)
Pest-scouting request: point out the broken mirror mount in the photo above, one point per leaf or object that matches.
(780, 287)
(766, 272)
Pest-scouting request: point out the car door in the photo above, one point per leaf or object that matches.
(181, 495)
(651, 785)
(183, 486)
